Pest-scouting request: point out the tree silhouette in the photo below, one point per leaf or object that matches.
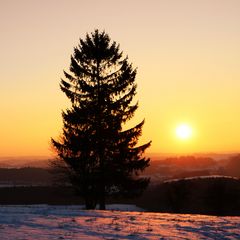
(100, 158)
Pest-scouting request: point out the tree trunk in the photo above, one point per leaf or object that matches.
(100, 144)
(102, 204)
(90, 204)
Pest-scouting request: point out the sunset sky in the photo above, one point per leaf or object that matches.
(188, 58)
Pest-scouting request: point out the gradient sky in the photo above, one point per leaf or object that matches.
(188, 58)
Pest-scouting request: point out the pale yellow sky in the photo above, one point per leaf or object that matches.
(188, 58)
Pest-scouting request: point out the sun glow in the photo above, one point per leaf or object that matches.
(184, 131)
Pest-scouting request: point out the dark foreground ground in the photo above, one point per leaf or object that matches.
(213, 196)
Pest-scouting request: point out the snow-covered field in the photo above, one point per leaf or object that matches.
(71, 222)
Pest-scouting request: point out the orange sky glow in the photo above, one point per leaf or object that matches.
(187, 54)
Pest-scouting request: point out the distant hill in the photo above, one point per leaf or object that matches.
(19, 162)
(215, 156)
(191, 166)
(42, 161)
(35, 169)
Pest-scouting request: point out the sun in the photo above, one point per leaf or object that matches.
(183, 131)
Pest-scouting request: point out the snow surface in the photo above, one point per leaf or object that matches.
(200, 177)
(28, 222)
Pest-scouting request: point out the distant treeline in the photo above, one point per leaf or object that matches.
(213, 195)
(216, 196)
(26, 175)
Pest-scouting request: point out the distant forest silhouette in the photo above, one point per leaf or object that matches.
(191, 166)
(169, 168)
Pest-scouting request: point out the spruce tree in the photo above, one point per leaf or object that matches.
(100, 158)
